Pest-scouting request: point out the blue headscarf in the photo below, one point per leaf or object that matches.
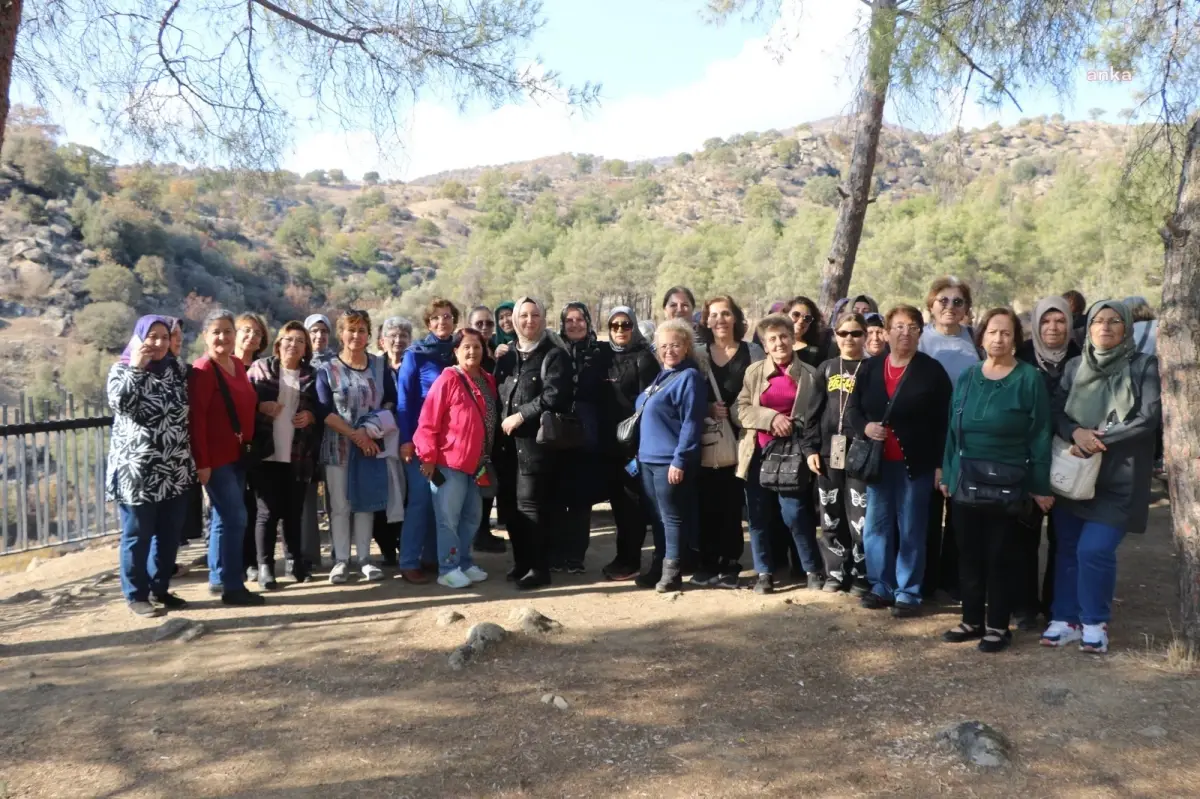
(440, 351)
(140, 331)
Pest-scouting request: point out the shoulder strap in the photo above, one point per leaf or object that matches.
(462, 378)
(229, 406)
(887, 414)
(958, 415)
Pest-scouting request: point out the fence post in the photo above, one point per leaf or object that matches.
(22, 497)
(7, 465)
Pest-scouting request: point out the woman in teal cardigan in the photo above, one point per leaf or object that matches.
(999, 414)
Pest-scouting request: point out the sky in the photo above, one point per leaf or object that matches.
(670, 78)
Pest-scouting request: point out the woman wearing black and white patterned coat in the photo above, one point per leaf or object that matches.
(150, 466)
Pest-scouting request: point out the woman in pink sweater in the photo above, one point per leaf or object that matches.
(454, 433)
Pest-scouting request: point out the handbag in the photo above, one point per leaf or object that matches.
(250, 451)
(864, 457)
(558, 431)
(486, 476)
(783, 468)
(1071, 476)
(628, 429)
(718, 444)
(985, 484)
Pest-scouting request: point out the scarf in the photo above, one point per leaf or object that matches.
(140, 331)
(1050, 359)
(311, 320)
(638, 336)
(500, 337)
(589, 340)
(440, 351)
(1103, 385)
(529, 344)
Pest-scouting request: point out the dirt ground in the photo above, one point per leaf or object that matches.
(346, 692)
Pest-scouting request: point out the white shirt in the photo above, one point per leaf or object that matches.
(289, 398)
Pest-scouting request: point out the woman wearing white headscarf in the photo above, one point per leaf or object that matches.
(533, 377)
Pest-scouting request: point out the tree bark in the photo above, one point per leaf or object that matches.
(10, 21)
(1179, 357)
(872, 94)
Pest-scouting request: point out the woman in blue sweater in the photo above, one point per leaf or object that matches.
(673, 411)
(423, 363)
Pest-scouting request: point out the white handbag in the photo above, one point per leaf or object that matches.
(1070, 476)
(718, 444)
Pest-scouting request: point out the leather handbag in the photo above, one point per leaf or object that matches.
(985, 484)
(784, 469)
(718, 444)
(864, 457)
(628, 429)
(558, 431)
(253, 449)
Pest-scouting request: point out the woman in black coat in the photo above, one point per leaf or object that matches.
(533, 377)
(632, 368)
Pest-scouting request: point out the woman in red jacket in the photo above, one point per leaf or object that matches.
(223, 405)
(455, 431)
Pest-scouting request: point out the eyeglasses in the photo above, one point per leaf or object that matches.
(393, 336)
(906, 328)
(850, 333)
(292, 342)
(946, 302)
(671, 346)
(445, 317)
(249, 330)
(802, 317)
(1108, 322)
(620, 325)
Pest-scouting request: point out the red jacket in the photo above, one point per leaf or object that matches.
(449, 431)
(213, 442)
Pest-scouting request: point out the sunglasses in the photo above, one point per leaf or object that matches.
(851, 333)
(946, 302)
(802, 317)
(620, 326)
(485, 324)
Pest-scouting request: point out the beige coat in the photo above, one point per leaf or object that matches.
(752, 416)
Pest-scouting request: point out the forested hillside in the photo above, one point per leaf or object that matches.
(86, 244)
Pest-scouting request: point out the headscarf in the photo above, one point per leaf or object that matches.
(142, 329)
(1103, 385)
(838, 307)
(778, 307)
(312, 319)
(589, 340)
(638, 336)
(1050, 359)
(524, 344)
(868, 300)
(500, 337)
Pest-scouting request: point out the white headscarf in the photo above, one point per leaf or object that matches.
(528, 344)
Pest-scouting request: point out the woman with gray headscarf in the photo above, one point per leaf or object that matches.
(632, 367)
(533, 377)
(1108, 404)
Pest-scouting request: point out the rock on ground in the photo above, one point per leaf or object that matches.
(32, 595)
(448, 617)
(461, 656)
(1153, 731)
(484, 634)
(533, 622)
(978, 743)
(186, 629)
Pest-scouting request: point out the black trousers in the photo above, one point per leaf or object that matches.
(250, 536)
(193, 520)
(988, 553)
(387, 537)
(629, 515)
(1027, 601)
(533, 518)
(577, 476)
(941, 548)
(279, 498)
(722, 500)
(843, 501)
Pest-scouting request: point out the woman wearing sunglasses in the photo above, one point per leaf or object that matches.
(806, 329)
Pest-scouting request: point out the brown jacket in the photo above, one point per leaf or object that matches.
(752, 416)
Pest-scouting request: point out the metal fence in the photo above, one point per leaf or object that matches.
(52, 456)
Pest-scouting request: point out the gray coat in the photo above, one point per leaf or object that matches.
(1123, 487)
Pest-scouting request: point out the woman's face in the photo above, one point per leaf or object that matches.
(218, 338)
(355, 336)
(529, 324)
(1107, 329)
(293, 346)
(876, 340)
(904, 334)
(483, 322)
(721, 320)
(1054, 329)
(802, 319)
(249, 338)
(850, 340)
(862, 307)
(469, 352)
(999, 336)
(678, 307)
(575, 325)
(394, 342)
(158, 339)
(176, 345)
(441, 322)
(778, 342)
(620, 330)
(673, 348)
(950, 307)
(505, 320)
(320, 336)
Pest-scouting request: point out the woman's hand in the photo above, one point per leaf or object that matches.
(1088, 441)
(674, 475)
(303, 420)
(717, 410)
(814, 463)
(1045, 503)
(204, 475)
(427, 469)
(364, 442)
(876, 431)
(781, 426)
(141, 358)
(407, 451)
(511, 423)
(272, 409)
(501, 350)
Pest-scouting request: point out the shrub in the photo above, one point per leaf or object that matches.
(453, 190)
(584, 164)
(30, 207)
(763, 201)
(364, 252)
(316, 176)
(337, 176)
(108, 325)
(683, 159)
(371, 178)
(714, 143)
(85, 373)
(644, 170)
(786, 151)
(152, 271)
(113, 283)
(616, 167)
(823, 190)
(300, 232)
(38, 160)
(42, 390)
(128, 232)
(427, 229)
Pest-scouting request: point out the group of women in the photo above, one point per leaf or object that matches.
(921, 451)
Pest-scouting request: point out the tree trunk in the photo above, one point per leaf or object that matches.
(10, 21)
(1179, 356)
(839, 266)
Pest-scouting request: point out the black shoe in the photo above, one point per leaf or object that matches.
(144, 609)
(301, 571)
(619, 571)
(905, 610)
(994, 641)
(648, 579)
(489, 543)
(515, 573)
(860, 589)
(533, 580)
(171, 602)
(704, 579)
(575, 567)
(243, 598)
(728, 580)
(816, 581)
(1027, 623)
(873, 601)
(266, 577)
(764, 584)
(557, 568)
(671, 579)
(962, 633)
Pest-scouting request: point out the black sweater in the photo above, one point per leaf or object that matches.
(826, 405)
(519, 382)
(920, 415)
(1053, 377)
(629, 373)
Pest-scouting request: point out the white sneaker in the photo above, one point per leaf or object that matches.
(372, 572)
(455, 579)
(337, 575)
(1060, 633)
(1094, 639)
(475, 574)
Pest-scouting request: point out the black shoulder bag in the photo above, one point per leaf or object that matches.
(250, 454)
(784, 468)
(558, 431)
(864, 458)
(628, 430)
(985, 484)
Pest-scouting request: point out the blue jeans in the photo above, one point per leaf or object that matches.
(226, 491)
(1085, 569)
(457, 508)
(764, 508)
(673, 509)
(897, 504)
(418, 542)
(149, 540)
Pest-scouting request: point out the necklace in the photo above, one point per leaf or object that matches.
(843, 395)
